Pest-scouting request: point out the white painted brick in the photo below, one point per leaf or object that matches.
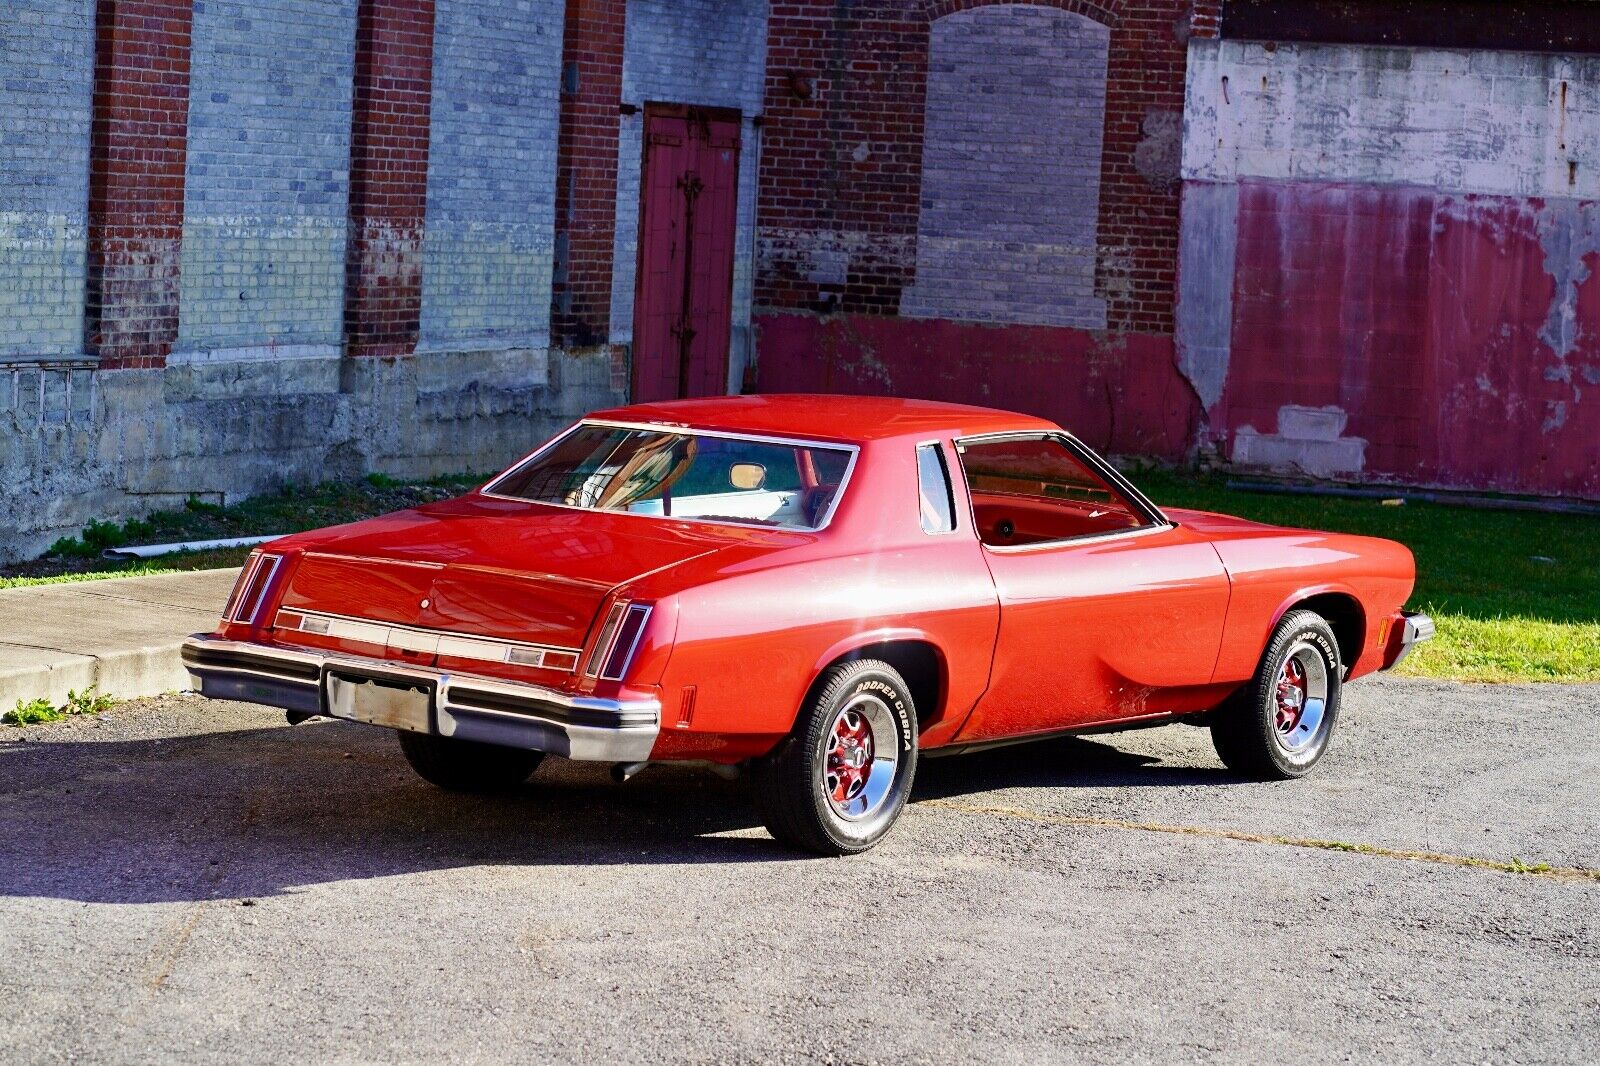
(487, 249)
(46, 86)
(1011, 168)
(266, 187)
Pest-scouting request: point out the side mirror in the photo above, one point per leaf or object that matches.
(747, 477)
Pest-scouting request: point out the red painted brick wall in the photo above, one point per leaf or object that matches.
(390, 111)
(138, 140)
(586, 171)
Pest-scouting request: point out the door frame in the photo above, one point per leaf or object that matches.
(665, 109)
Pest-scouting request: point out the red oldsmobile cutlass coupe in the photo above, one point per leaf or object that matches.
(818, 588)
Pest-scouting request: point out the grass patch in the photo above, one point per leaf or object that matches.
(38, 711)
(1516, 594)
(291, 510)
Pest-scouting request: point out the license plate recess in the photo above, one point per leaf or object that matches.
(379, 701)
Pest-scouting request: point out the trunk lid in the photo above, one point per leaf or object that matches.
(485, 568)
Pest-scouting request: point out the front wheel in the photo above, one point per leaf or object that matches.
(1278, 726)
(839, 781)
(465, 765)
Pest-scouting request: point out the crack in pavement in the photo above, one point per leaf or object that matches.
(1515, 866)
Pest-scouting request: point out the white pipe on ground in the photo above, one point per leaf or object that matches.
(151, 551)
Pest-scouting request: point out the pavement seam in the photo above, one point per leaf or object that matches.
(1516, 866)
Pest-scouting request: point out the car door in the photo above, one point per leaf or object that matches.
(1107, 611)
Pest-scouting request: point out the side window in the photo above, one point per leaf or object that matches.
(1033, 490)
(933, 486)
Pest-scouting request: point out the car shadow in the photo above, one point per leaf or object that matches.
(260, 812)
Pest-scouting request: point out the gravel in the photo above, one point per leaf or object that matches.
(184, 880)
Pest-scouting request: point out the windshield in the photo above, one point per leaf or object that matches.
(683, 474)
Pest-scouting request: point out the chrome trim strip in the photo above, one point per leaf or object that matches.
(491, 710)
(428, 641)
(683, 430)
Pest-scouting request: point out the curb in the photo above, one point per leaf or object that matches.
(121, 636)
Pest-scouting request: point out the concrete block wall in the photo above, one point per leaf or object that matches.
(1405, 240)
(709, 53)
(1015, 115)
(489, 234)
(46, 86)
(266, 190)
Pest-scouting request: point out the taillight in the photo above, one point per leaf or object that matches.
(619, 639)
(250, 591)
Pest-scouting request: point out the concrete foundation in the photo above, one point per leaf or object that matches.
(77, 444)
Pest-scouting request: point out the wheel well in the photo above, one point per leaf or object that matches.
(1345, 617)
(916, 660)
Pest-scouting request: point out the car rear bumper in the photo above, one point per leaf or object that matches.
(485, 709)
(1410, 629)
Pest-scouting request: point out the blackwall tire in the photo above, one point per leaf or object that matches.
(466, 766)
(839, 781)
(1279, 725)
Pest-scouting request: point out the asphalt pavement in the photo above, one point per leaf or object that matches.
(193, 881)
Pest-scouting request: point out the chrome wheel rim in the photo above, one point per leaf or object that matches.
(1301, 698)
(859, 758)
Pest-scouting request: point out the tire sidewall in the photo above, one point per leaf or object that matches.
(860, 834)
(1312, 630)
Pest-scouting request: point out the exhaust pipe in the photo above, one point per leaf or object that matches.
(624, 770)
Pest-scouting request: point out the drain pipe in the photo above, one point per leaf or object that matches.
(152, 551)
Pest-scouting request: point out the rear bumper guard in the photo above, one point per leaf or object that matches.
(485, 709)
(1410, 629)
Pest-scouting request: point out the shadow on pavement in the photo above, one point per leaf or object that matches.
(255, 813)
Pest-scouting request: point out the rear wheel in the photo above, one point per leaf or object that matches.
(465, 765)
(839, 781)
(1279, 725)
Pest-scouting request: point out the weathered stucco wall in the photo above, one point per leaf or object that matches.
(1390, 263)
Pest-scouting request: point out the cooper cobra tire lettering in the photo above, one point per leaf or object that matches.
(810, 788)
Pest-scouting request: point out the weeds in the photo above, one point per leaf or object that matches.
(38, 711)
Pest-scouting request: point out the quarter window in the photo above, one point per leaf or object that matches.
(933, 485)
(1033, 490)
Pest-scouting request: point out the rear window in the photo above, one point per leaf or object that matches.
(683, 475)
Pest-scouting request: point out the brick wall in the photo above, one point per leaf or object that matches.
(487, 245)
(842, 190)
(1011, 169)
(138, 142)
(266, 191)
(46, 84)
(840, 154)
(586, 176)
(710, 53)
(391, 104)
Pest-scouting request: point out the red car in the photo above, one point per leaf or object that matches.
(816, 588)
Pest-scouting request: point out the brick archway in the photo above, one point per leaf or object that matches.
(1105, 12)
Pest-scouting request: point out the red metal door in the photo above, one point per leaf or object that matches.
(683, 308)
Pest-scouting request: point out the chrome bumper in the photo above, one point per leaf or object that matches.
(1412, 629)
(484, 709)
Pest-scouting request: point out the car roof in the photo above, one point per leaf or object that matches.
(827, 417)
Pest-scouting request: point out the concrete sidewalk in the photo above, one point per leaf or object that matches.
(120, 634)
